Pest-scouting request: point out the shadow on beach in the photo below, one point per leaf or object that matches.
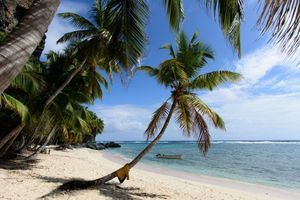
(112, 190)
(117, 192)
(18, 163)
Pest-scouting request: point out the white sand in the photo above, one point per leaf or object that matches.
(51, 170)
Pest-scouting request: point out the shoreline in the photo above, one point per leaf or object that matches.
(259, 189)
(146, 182)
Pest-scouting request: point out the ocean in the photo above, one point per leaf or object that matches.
(273, 163)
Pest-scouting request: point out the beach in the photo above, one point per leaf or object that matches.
(37, 180)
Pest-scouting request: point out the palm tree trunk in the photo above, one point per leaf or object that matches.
(58, 90)
(86, 184)
(10, 137)
(23, 40)
(44, 144)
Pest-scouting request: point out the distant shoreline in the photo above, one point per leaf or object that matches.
(192, 141)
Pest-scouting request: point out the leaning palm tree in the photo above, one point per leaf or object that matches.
(181, 75)
(17, 48)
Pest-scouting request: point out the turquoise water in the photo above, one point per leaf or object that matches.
(263, 162)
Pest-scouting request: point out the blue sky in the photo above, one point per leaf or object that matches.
(264, 105)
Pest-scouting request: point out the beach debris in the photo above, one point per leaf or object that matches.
(123, 173)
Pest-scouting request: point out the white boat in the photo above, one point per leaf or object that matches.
(168, 156)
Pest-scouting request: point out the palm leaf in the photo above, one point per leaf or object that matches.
(158, 116)
(78, 21)
(202, 134)
(127, 23)
(175, 13)
(9, 101)
(213, 79)
(172, 73)
(184, 114)
(170, 48)
(201, 107)
(76, 35)
(282, 19)
(230, 14)
(150, 70)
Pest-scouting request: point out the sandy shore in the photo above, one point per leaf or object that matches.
(38, 179)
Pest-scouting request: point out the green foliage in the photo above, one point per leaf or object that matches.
(115, 35)
(28, 92)
(2, 36)
(14, 104)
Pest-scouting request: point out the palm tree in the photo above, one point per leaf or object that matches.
(17, 48)
(109, 41)
(181, 75)
(85, 87)
(68, 119)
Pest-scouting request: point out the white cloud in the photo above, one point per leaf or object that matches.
(256, 65)
(58, 26)
(128, 122)
(262, 117)
(266, 103)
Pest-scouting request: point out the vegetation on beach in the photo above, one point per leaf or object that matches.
(45, 101)
(104, 42)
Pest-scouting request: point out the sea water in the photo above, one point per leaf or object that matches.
(274, 163)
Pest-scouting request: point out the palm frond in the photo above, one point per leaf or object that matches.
(194, 38)
(213, 79)
(175, 13)
(28, 83)
(172, 73)
(76, 36)
(230, 14)
(97, 12)
(150, 70)
(282, 19)
(158, 116)
(127, 23)
(185, 113)
(201, 107)
(202, 133)
(77, 20)
(9, 101)
(170, 48)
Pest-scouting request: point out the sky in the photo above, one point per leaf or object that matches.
(265, 105)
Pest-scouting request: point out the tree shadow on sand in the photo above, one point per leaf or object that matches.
(18, 163)
(131, 193)
(112, 190)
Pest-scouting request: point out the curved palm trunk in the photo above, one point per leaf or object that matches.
(64, 84)
(51, 134)
(86, 184)
(21, 43)
(7, 141)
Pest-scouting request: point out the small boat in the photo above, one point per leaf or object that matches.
(166, 156)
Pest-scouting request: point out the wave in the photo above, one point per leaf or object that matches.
(256, 142)
(297, 142)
